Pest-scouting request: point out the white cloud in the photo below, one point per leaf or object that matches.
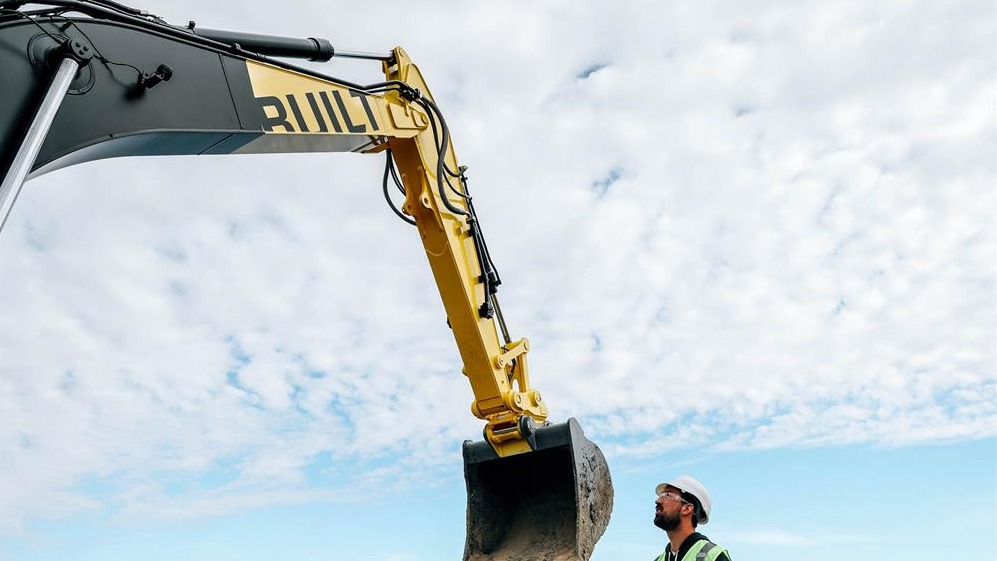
(756, 228)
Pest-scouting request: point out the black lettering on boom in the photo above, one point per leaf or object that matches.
(366, 108)
(280, 120)
(330, 111)
(346, 115)
(281, 111)
(317, 112)
(297, 113)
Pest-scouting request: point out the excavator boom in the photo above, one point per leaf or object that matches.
(91, 79)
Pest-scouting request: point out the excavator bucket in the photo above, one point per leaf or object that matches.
(551, 504)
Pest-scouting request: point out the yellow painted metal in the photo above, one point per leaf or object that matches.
(318, 115)
(497, 373)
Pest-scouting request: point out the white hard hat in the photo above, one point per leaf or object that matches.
(689, 484)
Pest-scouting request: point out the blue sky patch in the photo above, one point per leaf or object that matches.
(596, 342)
(602, 186)
(589, 71)
(172, 252)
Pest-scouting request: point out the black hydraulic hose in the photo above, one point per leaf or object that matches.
(489, 273)
(394, 177)
(479, 247)
(488, 266)
(101, 12)
(446, 131)
(394, 85)
(434, 128)
(446, 135)
(30, 19)
(433, 112)
(389, 169)
(119, 7)
(414, 95)
(441, 153)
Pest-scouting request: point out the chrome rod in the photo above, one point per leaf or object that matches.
(343, 53)
(35, 137)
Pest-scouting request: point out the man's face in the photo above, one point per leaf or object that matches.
(668, 509)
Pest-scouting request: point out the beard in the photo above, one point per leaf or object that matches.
(667, 522)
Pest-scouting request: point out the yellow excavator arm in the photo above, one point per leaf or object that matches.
(118, 82)
(436, 196)
(405, 122)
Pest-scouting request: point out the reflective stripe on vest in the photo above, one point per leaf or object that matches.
(703, 550)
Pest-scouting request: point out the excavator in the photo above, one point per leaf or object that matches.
(82, 80)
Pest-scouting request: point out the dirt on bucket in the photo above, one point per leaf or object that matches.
(552, 504)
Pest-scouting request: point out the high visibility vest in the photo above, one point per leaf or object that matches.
(703, 550)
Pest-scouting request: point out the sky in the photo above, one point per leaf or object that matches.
(754, 242)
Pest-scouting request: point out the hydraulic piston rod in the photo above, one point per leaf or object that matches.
(40, 125)
(316, 50)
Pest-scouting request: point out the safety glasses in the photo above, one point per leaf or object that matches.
(674, 497)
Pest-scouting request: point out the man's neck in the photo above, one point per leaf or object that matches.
(677, 537)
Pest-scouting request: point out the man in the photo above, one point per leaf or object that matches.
(683, 504)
